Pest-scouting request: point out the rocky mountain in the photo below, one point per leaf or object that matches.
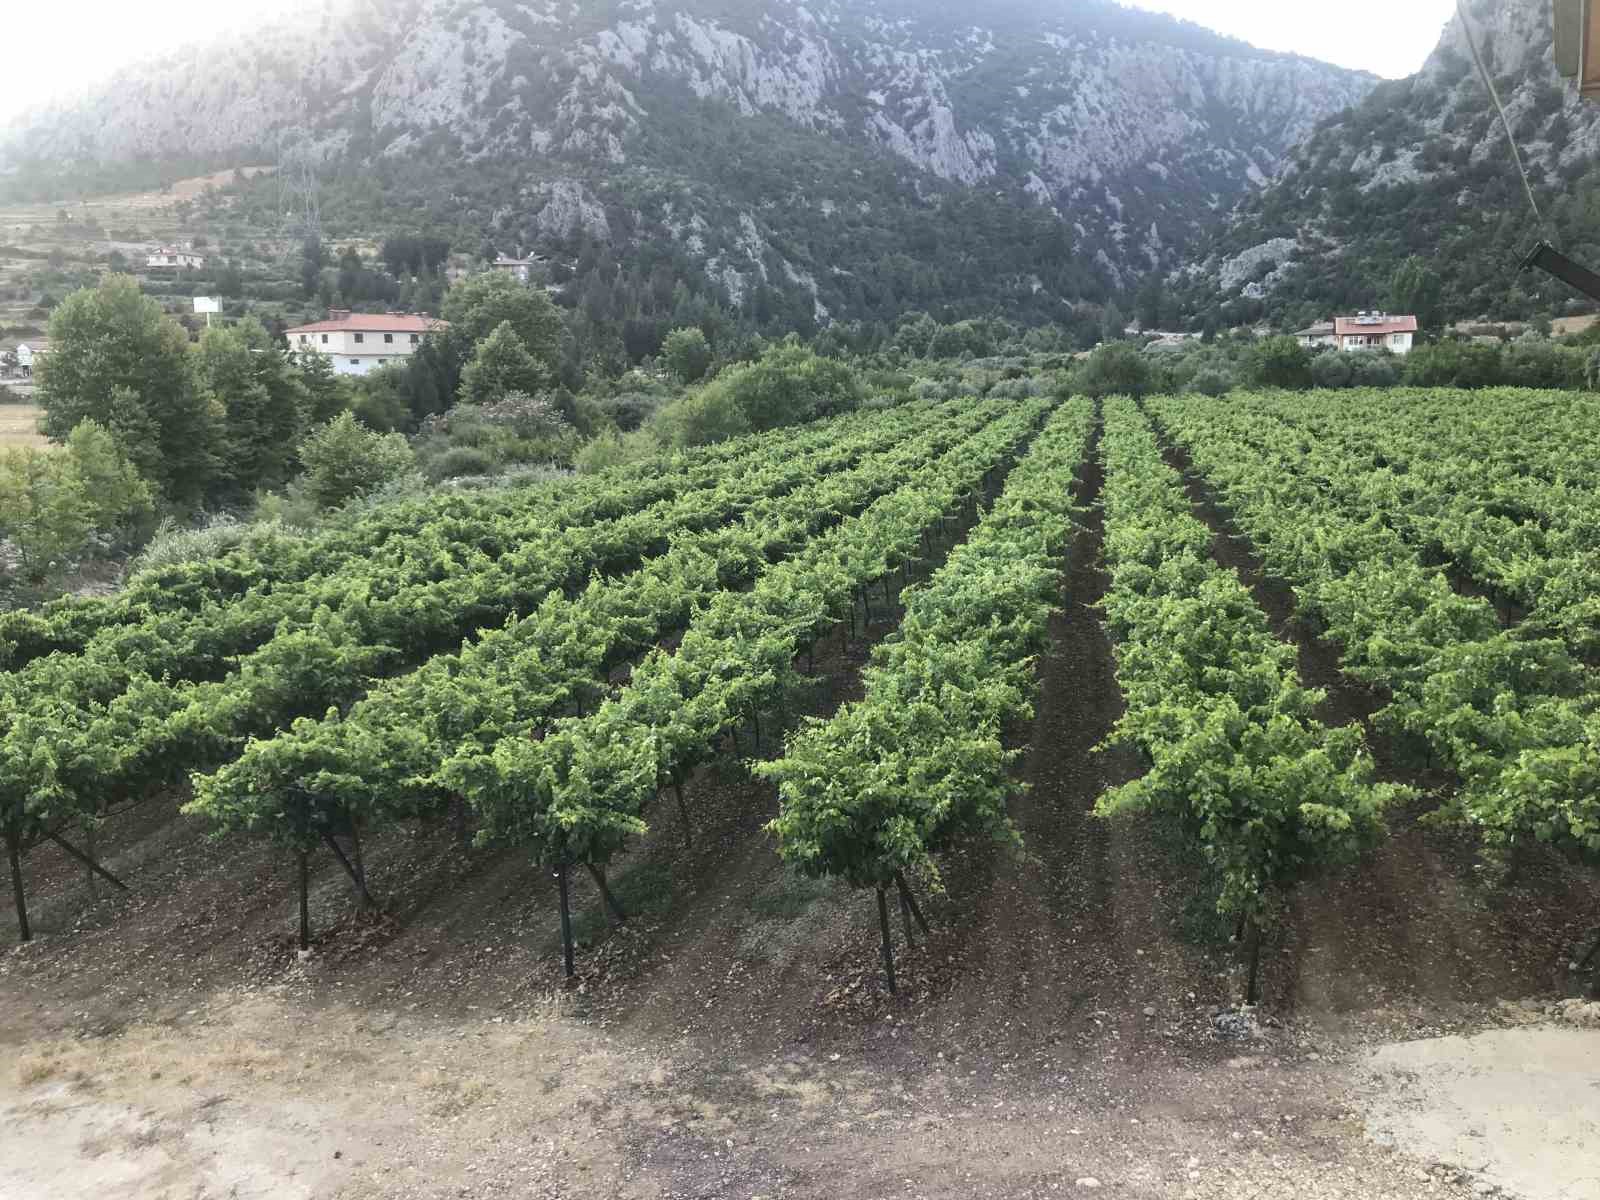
(1421, 167)
(874, 154)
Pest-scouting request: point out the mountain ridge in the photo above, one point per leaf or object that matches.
(1421, 167)
(1130, 130)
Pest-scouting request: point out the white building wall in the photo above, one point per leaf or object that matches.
(352, 357)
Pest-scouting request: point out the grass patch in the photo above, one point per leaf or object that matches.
(791, 898)
(643, 890)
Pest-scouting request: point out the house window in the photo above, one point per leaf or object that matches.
(414, 339)
(388, 339)
(360, 338)
(355, 362)
(324, 339)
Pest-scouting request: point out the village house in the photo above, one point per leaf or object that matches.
(358, 343)
(1320, 334)
(1375, 331)
(29, 354)
(173, 258)
(520, 269)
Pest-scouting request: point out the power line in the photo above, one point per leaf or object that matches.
(1505, 121)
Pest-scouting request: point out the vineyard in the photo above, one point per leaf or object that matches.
(569, 672)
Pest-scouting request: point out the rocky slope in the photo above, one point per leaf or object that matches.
(1421, 167)
(1130, 130)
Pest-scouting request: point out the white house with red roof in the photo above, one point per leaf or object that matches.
(1375, 331)
(358, 343)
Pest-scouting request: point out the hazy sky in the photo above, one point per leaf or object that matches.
(1386, 37)
(59, 45)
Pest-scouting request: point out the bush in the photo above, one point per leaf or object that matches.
(461, 460)
(343, 460)
(1211, 381)
(629, 410)
(709, 415)
(174, 544)
(1453, 364)
(614, 450)
(786, 386)
(1279, 362)
(1117, 369)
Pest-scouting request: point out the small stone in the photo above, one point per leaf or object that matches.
(1149, 1010)
(1089, 1182)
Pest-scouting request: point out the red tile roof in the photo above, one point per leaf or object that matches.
(372, 323)
(1373, 326)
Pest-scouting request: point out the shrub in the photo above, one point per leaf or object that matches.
(343, 460)
(709, 415)
(1116, 369)
(174, 544)
(1279, 362)
(1210, 381)
(461, 460)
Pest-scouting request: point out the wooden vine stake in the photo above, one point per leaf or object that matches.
(683, 809)
(888, 947)
(910, 902)
(19, 894)
(611, 904)
(357, 873)
(566, 921)
(1252, 991)
(87, 859)
(305, 905)
(1588, 958)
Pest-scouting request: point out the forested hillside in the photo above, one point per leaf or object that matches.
(1421, 167)
(799, 163)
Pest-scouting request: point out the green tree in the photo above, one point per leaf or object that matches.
(262, 401)
(51, 502)
(687, 354)
(379, 399)
(1112, 323)
(326, 392)
(1279, 362)
(1116, 369)
(343, 460)
(45, 511)
(117, 359)
(480, 304)
(122, 503)
(502, 364)
(312, 259)
(1417, 290)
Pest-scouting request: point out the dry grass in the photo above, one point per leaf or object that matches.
(19, 426)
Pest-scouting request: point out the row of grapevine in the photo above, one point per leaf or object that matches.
(1214, 701)
(1512, 714)
(277, 575)
(1509, 493)
(872, 793)
(576, 795)
(429, 600)
(85, 731)
(383, 760)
